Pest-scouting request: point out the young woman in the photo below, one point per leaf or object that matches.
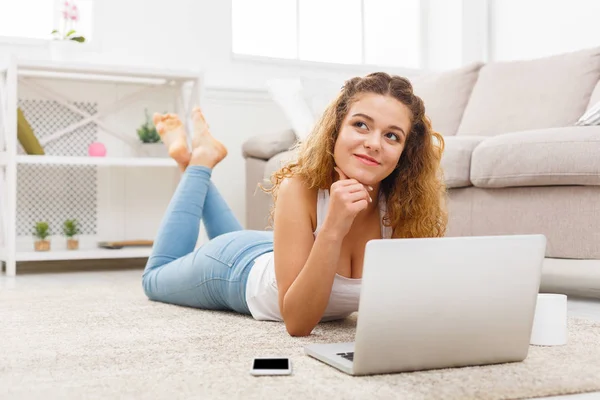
(369, 170)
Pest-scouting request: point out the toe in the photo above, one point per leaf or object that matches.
(156, 118)
(199, 117)
(160, 127)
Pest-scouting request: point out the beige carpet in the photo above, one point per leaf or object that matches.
(95, 335)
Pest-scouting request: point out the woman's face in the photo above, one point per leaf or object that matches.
(372, 138)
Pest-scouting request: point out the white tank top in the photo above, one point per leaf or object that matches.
(261, 287)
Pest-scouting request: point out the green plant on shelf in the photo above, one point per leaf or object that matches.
(147, 132)
(42, 230)
(70, 228)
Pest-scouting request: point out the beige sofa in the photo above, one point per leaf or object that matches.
(514, 163)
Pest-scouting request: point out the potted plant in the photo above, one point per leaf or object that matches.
(151, 145)
(41, 232)
(70, 229)
(66, 39)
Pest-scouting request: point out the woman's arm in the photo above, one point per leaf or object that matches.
(305, 267)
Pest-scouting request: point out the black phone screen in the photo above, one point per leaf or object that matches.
(271, 363)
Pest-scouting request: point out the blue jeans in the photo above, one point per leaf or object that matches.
(213, 276)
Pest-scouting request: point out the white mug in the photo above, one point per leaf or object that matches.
(550, 320)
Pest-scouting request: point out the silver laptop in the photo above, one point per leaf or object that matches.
(442, 302)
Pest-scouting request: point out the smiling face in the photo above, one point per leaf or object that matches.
(372, 137)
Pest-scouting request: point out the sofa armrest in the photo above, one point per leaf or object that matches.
(266, 146)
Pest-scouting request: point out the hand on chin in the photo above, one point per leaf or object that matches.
(359, 174)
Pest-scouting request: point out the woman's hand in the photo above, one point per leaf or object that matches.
(347, 197)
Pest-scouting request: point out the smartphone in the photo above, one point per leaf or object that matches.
(271, 366)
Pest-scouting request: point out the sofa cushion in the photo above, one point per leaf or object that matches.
(557, 156)
(456, 160)
(533, 94)
(266, 146)
(595, 98)
(591, 116)
(446, 95)
(278, 161)
(319, 93)
(287, 94)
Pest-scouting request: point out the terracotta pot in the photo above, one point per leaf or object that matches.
(42, 245)
(72, 244)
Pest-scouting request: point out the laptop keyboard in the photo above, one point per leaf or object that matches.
(347, 356)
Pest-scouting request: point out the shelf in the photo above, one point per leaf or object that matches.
(100, 161)
(60, 195)
(100, 72)
(81, 254)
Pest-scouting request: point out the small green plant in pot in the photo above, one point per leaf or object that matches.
(151, 145)
(41, 232)
(70, 230)
(147, 132)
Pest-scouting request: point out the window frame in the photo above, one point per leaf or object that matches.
(362, 67)
(312, 65)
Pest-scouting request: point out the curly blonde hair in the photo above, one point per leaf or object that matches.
(414, 191)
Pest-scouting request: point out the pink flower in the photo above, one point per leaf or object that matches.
(70, 11)
(74, 13)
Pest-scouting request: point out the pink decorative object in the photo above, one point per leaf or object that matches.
(97, 149)
(71, 11)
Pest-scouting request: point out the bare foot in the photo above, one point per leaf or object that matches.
(206, 150)
(172, 133)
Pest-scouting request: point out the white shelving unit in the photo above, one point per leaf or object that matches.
(98, 161)
(186, 85)
(81, 254)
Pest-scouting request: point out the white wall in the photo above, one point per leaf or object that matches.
(523, 29)
(444, 34)
(186, 34)
(194, 34)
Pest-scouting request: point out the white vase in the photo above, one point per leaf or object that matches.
(153, 150)
(65, 50)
